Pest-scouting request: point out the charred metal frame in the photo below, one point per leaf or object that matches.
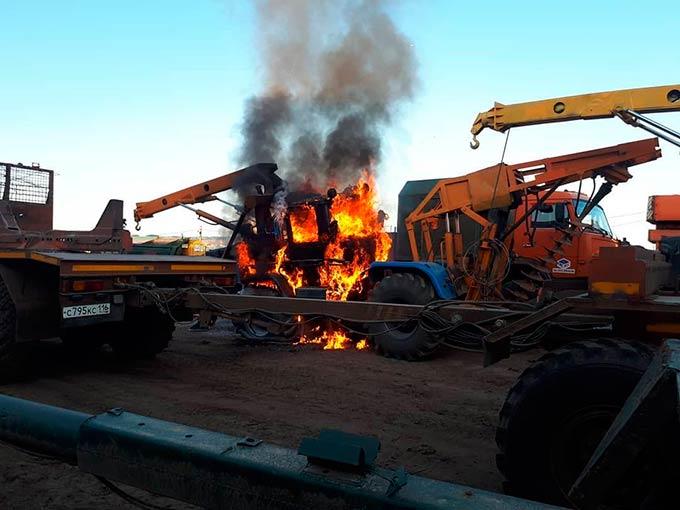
(626, 295)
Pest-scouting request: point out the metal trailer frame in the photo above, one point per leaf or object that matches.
(57, 281)
(629, 297)
(41, 284)
(358, 316)
(656, 315)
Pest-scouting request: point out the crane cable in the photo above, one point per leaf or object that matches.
(479, 280)
(500, 166)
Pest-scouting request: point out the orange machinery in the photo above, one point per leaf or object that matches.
(570, 266)
(254, 182)
(260, 175)
(490, 197)
(663, 211)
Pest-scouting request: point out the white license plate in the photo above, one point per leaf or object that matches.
(71, 312)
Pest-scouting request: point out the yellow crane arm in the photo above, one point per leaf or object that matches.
(627, 104)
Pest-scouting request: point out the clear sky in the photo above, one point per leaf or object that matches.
(130, 99)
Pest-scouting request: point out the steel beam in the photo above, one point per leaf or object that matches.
(41, 428)
(217, 471)
(366, 311)
(355, 311)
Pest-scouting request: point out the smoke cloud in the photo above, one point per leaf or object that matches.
(335, 74)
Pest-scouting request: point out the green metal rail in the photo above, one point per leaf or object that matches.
(217, 471)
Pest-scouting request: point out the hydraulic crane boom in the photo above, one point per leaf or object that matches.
(628, 105)
(487, 196)
(205, 191)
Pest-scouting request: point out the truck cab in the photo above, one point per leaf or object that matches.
(545, 228)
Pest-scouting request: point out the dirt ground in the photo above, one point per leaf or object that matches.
(435, 418)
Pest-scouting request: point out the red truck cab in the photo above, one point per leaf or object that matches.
(545, 228)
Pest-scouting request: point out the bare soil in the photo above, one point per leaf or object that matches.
(435, 418)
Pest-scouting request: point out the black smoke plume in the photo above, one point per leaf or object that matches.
(335, 74)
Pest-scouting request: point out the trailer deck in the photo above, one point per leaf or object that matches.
(86, 264)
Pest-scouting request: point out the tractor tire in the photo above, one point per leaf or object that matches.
(408, 341)
(14, 357)
(144, 333)
(558, 411)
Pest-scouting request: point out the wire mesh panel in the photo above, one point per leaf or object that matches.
(30, 185)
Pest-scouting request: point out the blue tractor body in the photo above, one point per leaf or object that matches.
(432, 272)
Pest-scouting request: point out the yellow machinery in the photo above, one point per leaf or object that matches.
(192, 247)
(628, 105)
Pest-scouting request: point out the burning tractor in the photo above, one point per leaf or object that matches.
(310, 245)
(292, 243)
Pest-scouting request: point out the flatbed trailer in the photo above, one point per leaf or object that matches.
(88, 299)
(84, 286)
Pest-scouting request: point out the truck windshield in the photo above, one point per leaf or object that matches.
(596, 217)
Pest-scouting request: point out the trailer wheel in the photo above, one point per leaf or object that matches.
(14, 356)
(406, 341)
(144, 333)
(558, 411)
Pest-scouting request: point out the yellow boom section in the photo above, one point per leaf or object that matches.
(586, 106)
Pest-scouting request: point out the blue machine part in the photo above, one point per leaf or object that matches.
(435, 273)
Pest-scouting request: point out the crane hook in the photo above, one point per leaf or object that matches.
(474, 144)
(138, 227)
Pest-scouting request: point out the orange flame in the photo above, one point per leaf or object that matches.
(246, 263)
(360, 237)
(358, 216)
(332, 340)
(294, 278)
(359, 226)
(303, 223)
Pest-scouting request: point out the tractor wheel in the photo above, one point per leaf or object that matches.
(144, 333)
(13, 355)
(255, 328)
(405, 341)
(558, 411)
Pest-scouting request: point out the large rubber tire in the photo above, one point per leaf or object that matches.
(407, 342)
(144, 333)
(13, 356)
(558, 411)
